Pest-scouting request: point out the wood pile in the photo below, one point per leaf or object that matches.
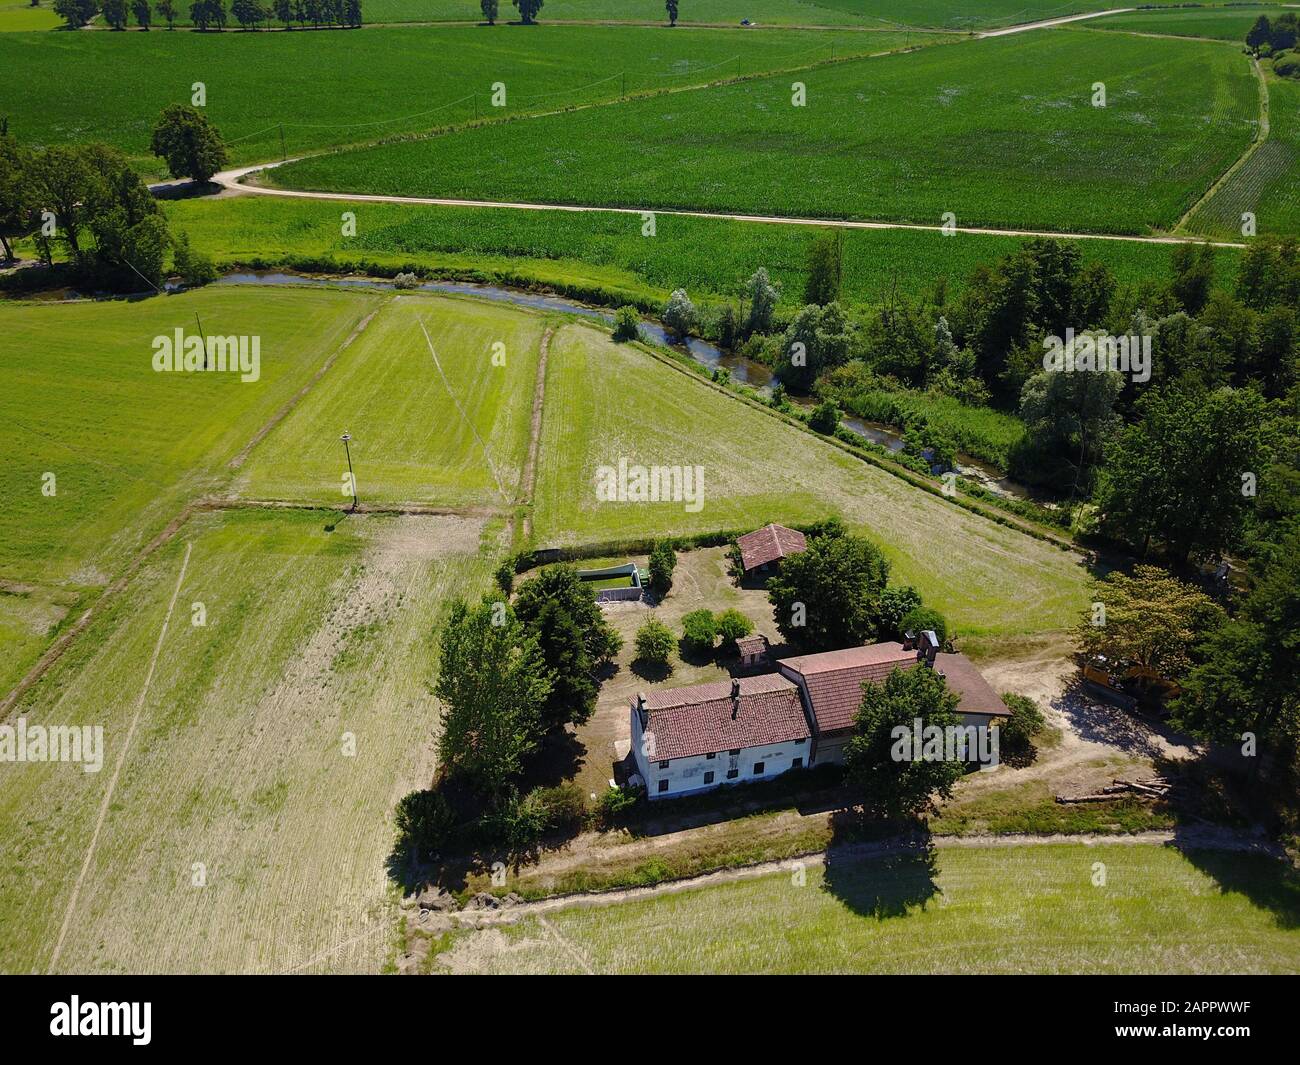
(1150, 788)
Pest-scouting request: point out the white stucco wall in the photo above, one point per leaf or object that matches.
(686, 775)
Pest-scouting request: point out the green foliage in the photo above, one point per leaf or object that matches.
(76, 13)
(206, 13)
(562, 585)
(627, 324)
(654, 642)
(505, 576)
(663, 560)
(114, 12)
(892, 783)
(680, 315)
(825, 269)
(143, 12)
(425, 823)
(492, 683)
(763, 297)
(518, 822)
(188, 143)
(490, 9)
(528, 9)
(1016, 733)
(616, 803)
(1067, 418)
(829, 595)
(921, 618)
(194, 267)
(818, 339)
(825, 417)
(732, 625)
(896, 602)
(700, 630)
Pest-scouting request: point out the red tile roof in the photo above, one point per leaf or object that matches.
(699, 719)
(768, 544)
(834, 679)
(752, 645)
(975, 694)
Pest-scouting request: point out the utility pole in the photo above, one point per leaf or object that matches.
(352, 480)
(283, 154)
(204, 339)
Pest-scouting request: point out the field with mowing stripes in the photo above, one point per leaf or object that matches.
(345, 88)
(453, 437)
(240, 837)
(998, 132)
(605, 402)
(974, 910)
(1220, 24)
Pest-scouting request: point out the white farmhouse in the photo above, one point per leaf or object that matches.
(700, 737)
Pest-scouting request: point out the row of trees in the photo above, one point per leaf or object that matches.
(212, 14)
(1271, 35)
(528, 10)
(85, 203)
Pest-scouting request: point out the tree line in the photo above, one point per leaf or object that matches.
(212, 14)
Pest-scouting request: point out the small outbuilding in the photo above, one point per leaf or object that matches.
(763, 550)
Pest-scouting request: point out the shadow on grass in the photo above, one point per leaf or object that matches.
(888, 882)
(1269, 884)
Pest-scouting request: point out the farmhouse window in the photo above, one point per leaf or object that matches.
(734, 752)
(712, 754)
(758, 768)
(732, 774)
(708, 778)
(797, 763)
(799, 741)
(663, 764)
(663, 785)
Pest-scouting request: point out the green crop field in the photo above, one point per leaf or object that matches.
(1220, 24)
(17, 16)
(603, 256)
(242, 836)
(343, 88)
(998, 132)
(1266, 184)
(606, 402)
(415, 436)
(969, 910)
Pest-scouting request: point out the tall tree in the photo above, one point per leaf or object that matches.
(825, 268)
(1067, 418)
(143, 12)
(492, 683)
(490, 10)
(895, 783)
(190, 144)
(829, 595)
(528, 10)
(167, 9)
(562, 585)
(671, 7)
(114, 13)
(763, 296)
(17, 201)
(1160, 483)
(76, 13)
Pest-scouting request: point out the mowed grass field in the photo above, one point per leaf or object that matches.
(455, 437)
(997, 132)
(1220, 24)
(606, 402)
(334, 88)
(604, 255)
(974, 910)
(18, 16)
(126, 446)
(242, 836)
(1266, 185)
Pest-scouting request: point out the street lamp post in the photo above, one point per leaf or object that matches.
(352, 480)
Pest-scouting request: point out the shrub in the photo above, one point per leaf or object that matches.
(627, 326)
(825, 417)
(920, 618)
(1016, 733)
(699, 630)
(615, 804)
(425, 822)
(663, 560)
(896, 602)
(505, 576)
(194, 267)
(732, 625)
(654, 642)
(679, 313)
(406, 280)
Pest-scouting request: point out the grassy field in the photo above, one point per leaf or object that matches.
(345, 88)
(1220, 24)
(127, 445)
(238, 762)
(410, 440)
(603, 255)
(1266, 185)
(18, 16)
(999, 132)
(969, 910)
(606, 402)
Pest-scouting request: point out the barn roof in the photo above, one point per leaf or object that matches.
(834, 679)
(974, 694)
(768, 544)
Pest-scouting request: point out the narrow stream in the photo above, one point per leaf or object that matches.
(743, 370)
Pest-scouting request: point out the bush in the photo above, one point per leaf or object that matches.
(616, 803)
(920, 618)
(654, 643)
(1016, 733)
(194, 267)
(896, 602)
(406, 280)
(627, 326)
(825, 417)
(425, 822)
(505, 576)
(699, 630)
(679, 313)
(732, 625)
(663, 560)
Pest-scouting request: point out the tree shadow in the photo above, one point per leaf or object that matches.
(652, 672)
(1270, 884)
(884, 880)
